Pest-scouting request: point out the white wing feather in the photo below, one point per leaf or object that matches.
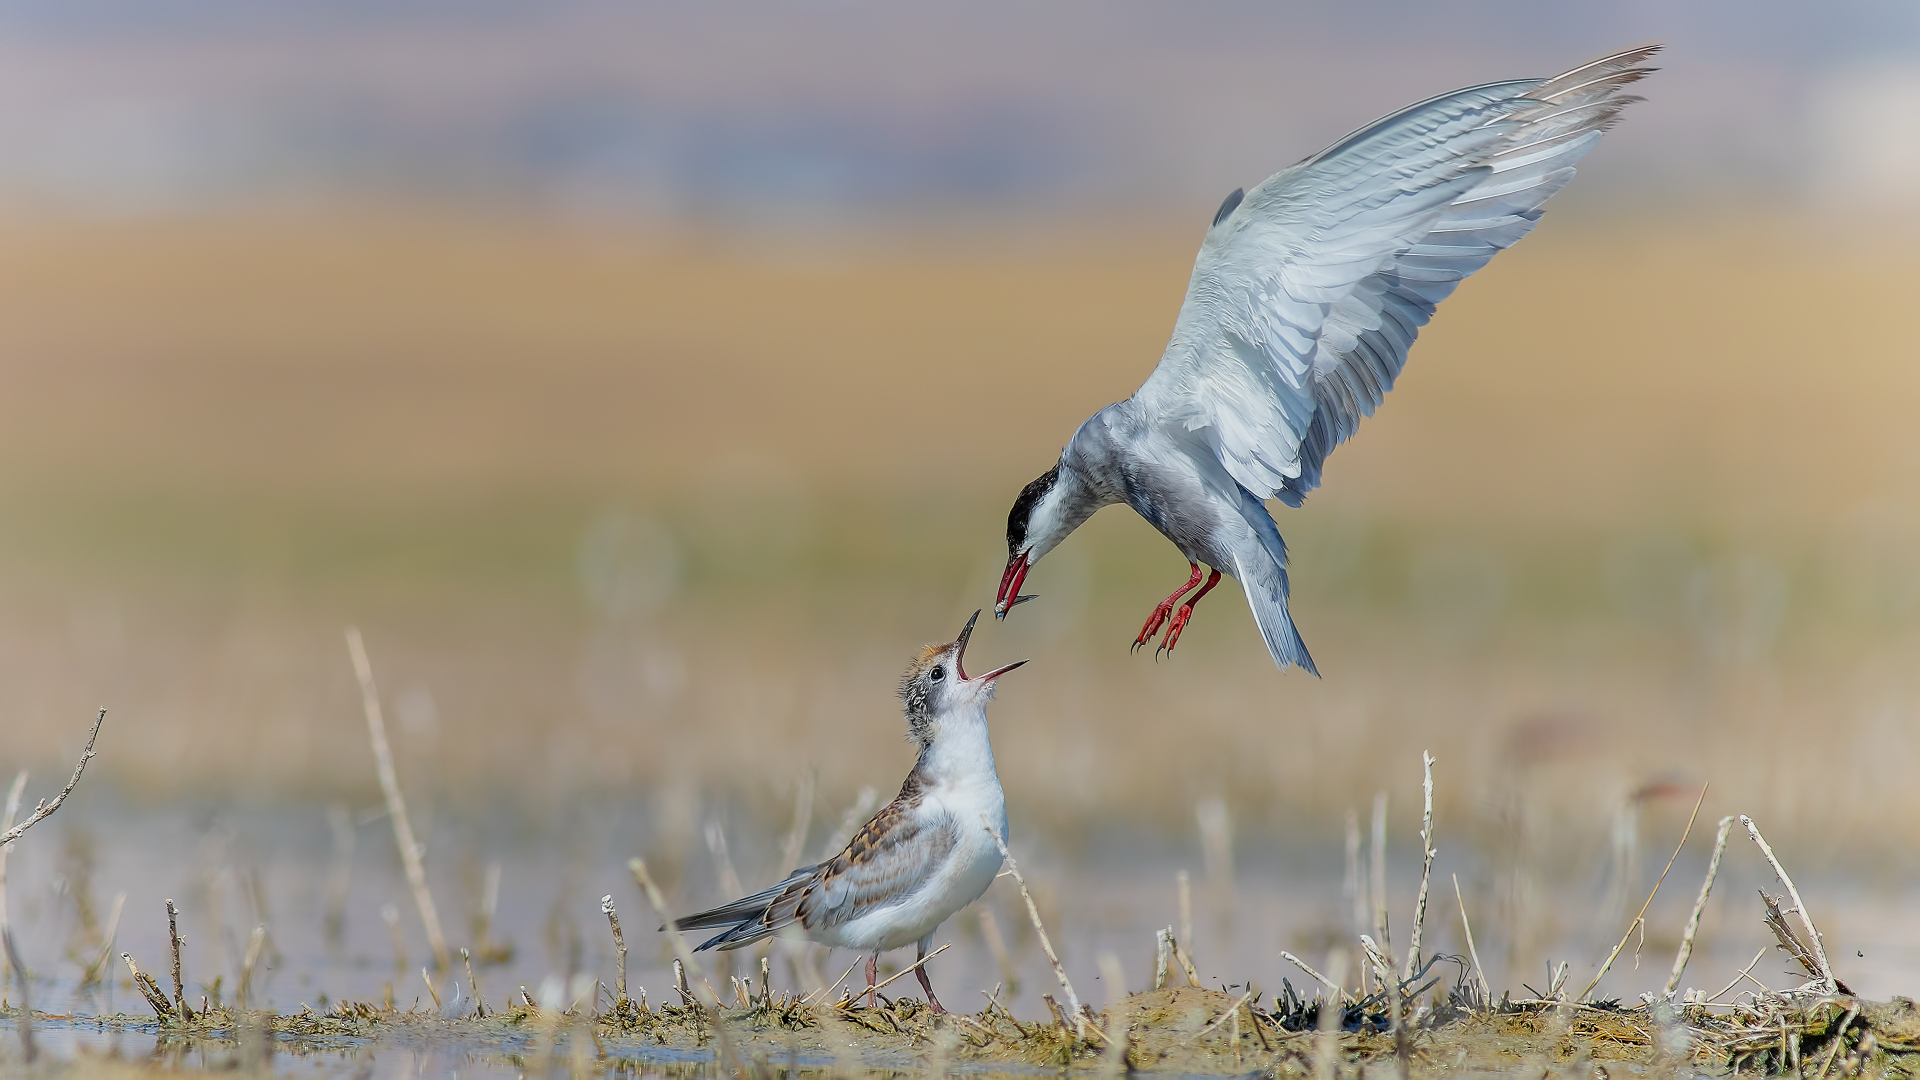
(1306, 297)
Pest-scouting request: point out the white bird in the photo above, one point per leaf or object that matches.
(923, 857)
(1307, 294)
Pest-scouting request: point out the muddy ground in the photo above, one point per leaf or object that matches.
(1185, 1030)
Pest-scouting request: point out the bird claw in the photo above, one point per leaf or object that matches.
(1154, 622)
(1173, 630)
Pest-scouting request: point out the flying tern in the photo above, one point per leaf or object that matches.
(923, 857)
(1307, 294)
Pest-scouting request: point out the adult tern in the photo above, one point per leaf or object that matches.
(1307, 294)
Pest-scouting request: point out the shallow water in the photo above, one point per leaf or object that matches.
(232, 868)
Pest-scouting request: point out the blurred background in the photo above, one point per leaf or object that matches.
(647, 381)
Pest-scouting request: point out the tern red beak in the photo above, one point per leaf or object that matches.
(1010, 582)
(959, 657)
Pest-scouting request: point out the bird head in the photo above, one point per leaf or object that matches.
(936, 683)
(1047, 510)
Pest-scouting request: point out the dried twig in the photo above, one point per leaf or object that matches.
(179, 989)
(1218, 1020)
(688, 967)
(1183, 883)
(149, 989)
(619, 951)
(997, 945)
(44, 808)
(1789, 941)
(6, 825)
(1033, 912)
(1426, 866)
(473, 984)
(255, 943)
(1332, 984)
(396, 805)
(1480, 973)
(1743, 975)
(802, 821)
(1379, 889)
(1825, 971)
(1114, 1060)
(98, 968)
(26, 996)
(1638, 919)
(1699, 904)
(1326, 1044)
(1162, 957)
(884, 983)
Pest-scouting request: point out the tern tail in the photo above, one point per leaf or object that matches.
(1260, 564)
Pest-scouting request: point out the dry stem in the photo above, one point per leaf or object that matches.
(255, 943)
(1326, 1044)
(619, 951)
(1332, 984)
(479, 1003)
(1480, 973)
(179, 989)
(687, 965)
(1379, 889)
(396, 805)
(883, 984)
(1806, 920)
(1700, 902)
(1426, 867)
(1033, 912)
(1637, 919)
(44, 808)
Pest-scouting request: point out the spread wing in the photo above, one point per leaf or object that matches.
(1308, 293)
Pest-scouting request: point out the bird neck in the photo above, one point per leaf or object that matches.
(959, 752)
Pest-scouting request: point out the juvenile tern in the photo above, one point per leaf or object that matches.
(922, 858)
(1307, 294)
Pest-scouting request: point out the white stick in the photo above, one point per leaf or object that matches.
(1806, 920)
(1693, 921)
(396, 805)
(1316, 976)
(13, 809)
(1486, 991)
(43, 807)
(1379, 889)
(1033, 912)
(1426, 868)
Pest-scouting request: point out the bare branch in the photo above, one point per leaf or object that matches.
(44, 808)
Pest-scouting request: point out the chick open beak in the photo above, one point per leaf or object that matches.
(960, 654)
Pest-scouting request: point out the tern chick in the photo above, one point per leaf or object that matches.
(923, 857)
(1305, 298)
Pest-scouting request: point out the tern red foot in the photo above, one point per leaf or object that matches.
(1186, 613)
(1164, 609)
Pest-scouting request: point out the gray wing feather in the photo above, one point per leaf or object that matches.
(890, 871)
(1307, 296)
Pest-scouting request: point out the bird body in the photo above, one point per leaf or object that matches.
(924, 856)
(1306, 296)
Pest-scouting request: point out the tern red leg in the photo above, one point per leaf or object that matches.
(1186, 612)
(1165, 608)
(926, 983)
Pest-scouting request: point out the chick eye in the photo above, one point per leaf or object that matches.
(937, 673)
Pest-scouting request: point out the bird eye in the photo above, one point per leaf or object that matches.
(937, 673)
